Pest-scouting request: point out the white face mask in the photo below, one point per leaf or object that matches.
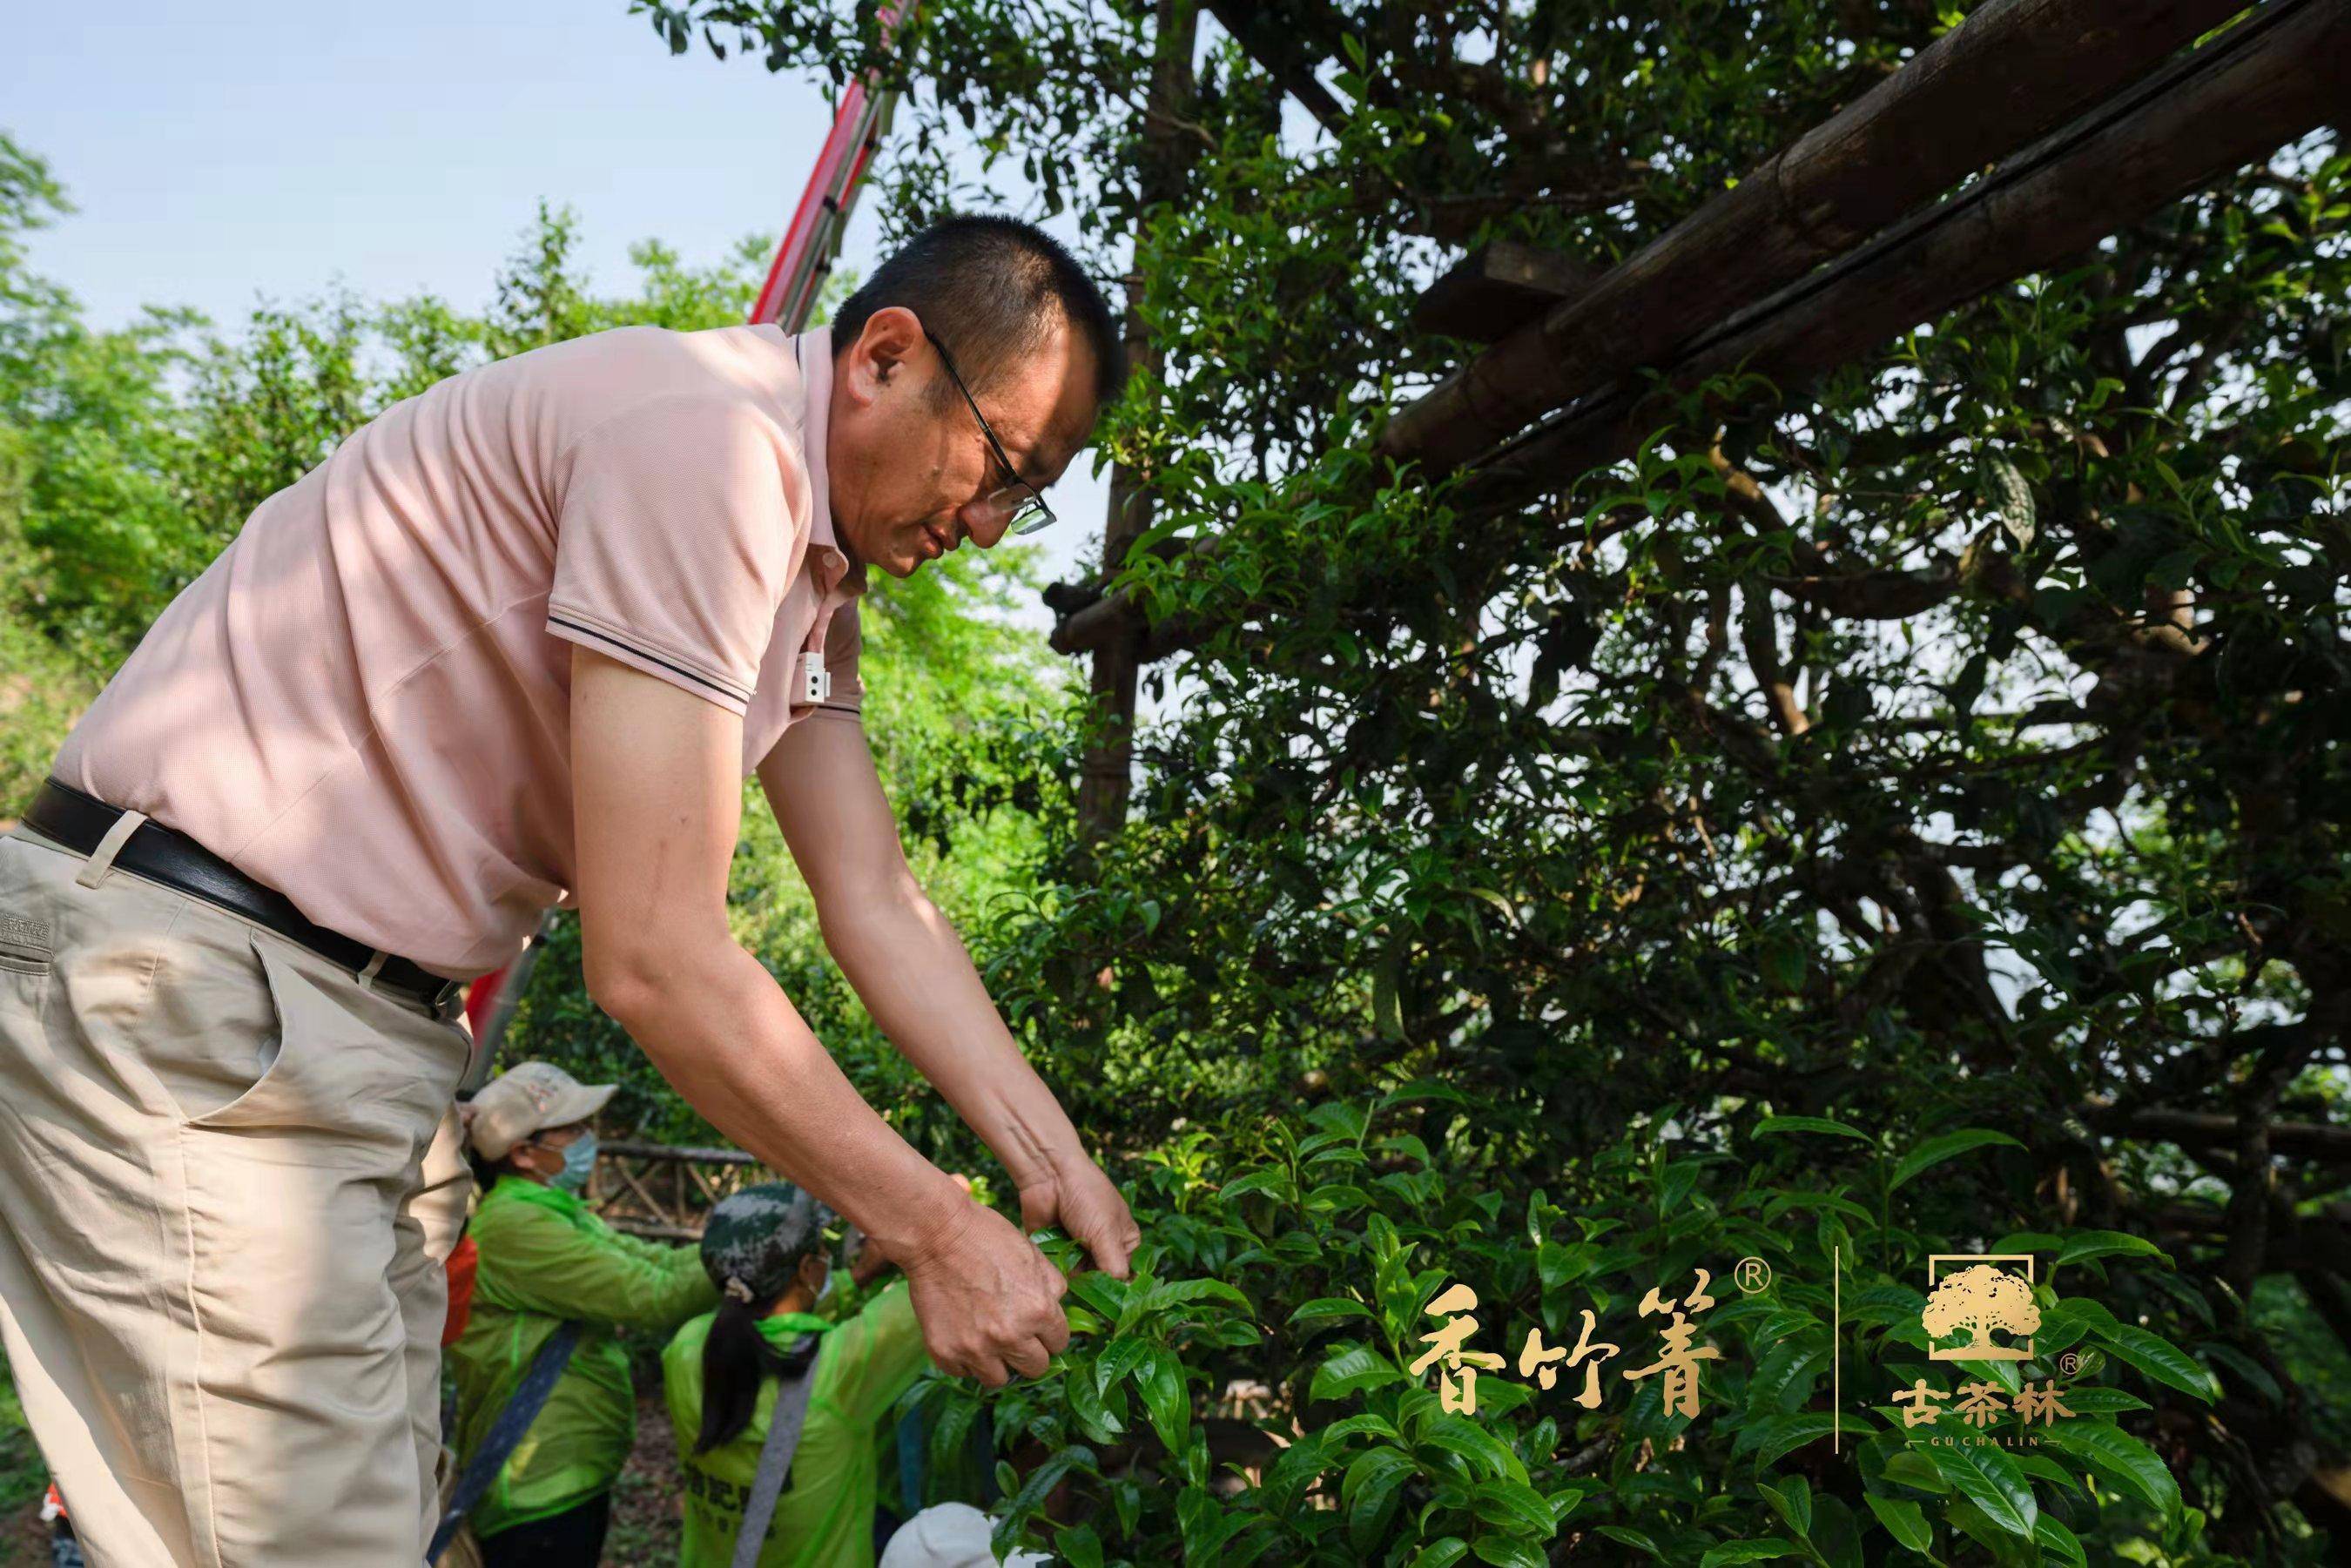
(578, 1160)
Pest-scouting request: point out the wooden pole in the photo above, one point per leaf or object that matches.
(2012, 72)
(2278, 77)
(1106, 772)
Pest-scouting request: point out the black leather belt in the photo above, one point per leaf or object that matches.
(160, 854)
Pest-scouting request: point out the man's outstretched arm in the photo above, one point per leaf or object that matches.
(657, 800)
(915, 977)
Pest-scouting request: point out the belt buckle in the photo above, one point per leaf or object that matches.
(447, 993)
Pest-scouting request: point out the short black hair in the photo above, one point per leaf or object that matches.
(989, 286)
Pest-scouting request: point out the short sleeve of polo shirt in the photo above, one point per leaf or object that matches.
(674, 541)
(844, 641)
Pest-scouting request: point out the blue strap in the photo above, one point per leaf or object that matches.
(911, 1488)
(530, 1397)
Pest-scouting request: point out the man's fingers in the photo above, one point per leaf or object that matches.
(1039, 1208)
(1111, 1239)
(1031, 1360)
(997, 1296)
(1110, 1254)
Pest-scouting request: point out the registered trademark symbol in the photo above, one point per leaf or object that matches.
(2069, 1363)
(1753, 1274)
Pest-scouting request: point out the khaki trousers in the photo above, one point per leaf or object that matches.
(229, 1175)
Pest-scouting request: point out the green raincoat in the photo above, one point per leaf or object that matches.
(825, 1518)
(546, 1258)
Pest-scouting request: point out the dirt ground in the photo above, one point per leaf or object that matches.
(645, 1504)
(24, 1539)
(644, 1512)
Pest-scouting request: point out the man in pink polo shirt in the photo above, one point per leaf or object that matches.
(515, 643)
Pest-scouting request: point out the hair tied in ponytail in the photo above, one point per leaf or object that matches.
(752, 1248)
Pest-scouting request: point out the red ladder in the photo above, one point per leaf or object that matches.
(812, 241)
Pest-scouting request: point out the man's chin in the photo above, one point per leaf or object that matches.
(910, 557)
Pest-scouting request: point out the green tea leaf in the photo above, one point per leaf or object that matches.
(2109, 1243)
(1368, 1491)
(2041, 1468)
(1161, 1380)
(1119, 1359)
(1628, 1536)
(1079, 1546)
(1935, 1151)
(2160, 1359)
(2117, 1455)
(2090, 1400)
(1988, 1477)
(1515, 1505)
(1792, 1432)
(1507, 1551)
(1811, 1125)
(1487, 1455)
(1329, 1308)
(2058, 1541)
(1179, 1291)
(1353, 1368)
(1904, 1519)
(1912, 1468)
(1792, 1499)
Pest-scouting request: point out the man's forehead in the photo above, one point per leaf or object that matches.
(1044, 442)
(1076, 387)
(1057, 452)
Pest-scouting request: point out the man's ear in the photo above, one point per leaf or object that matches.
(891, 339)
(813, 1270)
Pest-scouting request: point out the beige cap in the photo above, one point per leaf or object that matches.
(528, 1098)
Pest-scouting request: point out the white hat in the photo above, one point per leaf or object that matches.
(528, 1098)
(950, 1535)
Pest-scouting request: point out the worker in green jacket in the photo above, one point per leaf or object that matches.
(762, 1249)
(545, 1259)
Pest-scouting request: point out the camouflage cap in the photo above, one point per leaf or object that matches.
(754, 1241)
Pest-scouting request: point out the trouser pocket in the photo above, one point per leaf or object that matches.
(29, 940)
(24, 959)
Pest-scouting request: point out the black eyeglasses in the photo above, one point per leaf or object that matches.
(1019, 497)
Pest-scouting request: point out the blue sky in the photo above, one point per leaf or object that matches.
(221, 155)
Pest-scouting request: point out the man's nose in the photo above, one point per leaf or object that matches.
(986, 519)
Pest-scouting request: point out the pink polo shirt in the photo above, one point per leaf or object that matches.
(365, 702)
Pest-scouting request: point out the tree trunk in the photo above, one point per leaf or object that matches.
(1106, 776)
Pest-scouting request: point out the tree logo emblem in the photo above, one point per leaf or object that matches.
(1970, 1293)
